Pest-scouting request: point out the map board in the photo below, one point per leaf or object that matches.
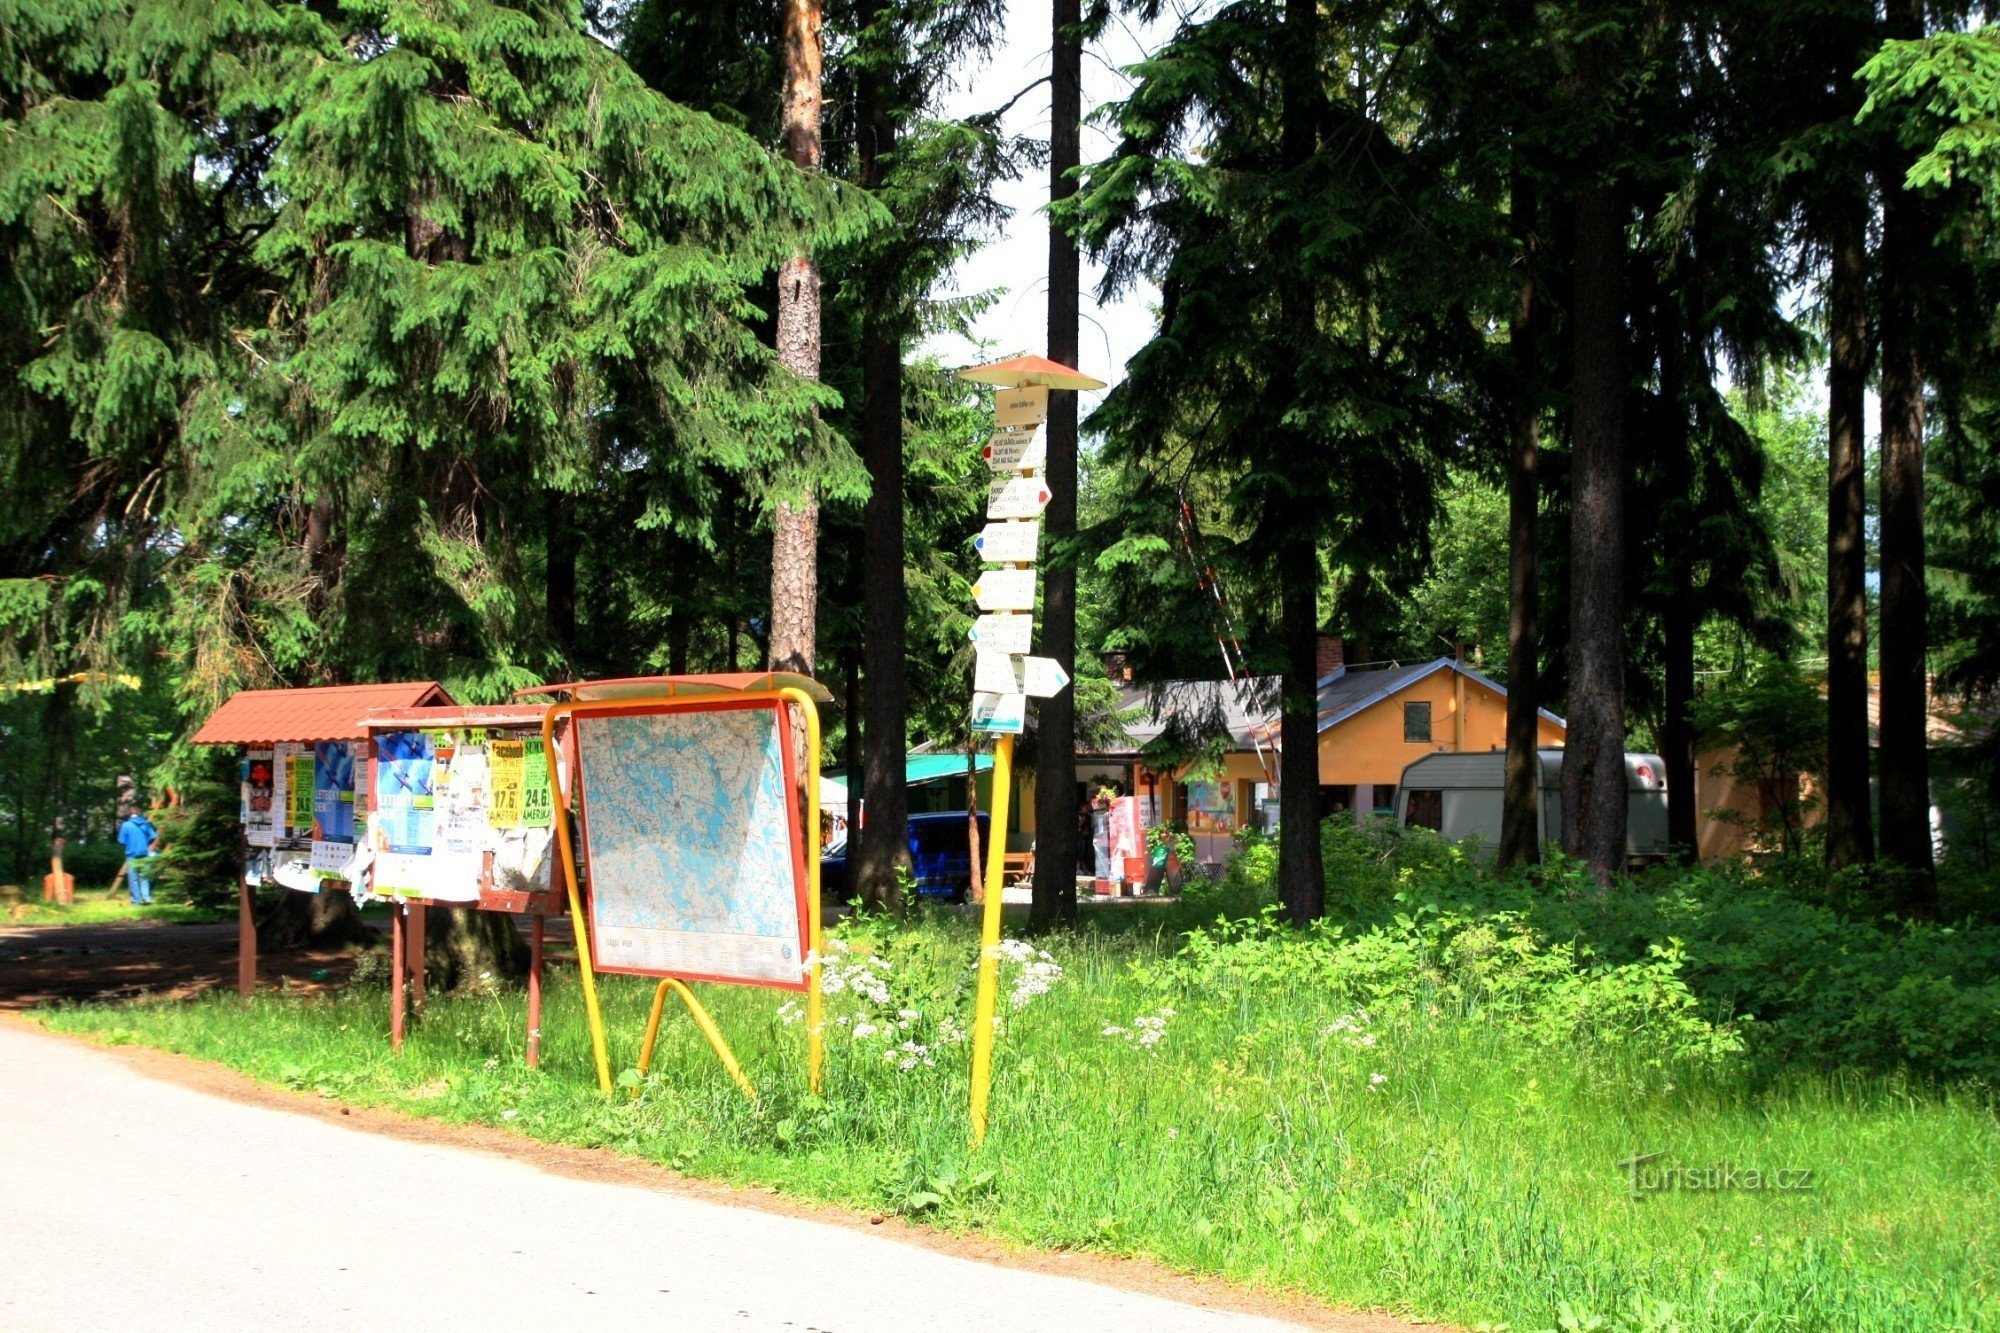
(692, 844)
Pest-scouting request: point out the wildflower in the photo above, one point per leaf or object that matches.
(949, 1032)
(790, 1012)
(1173, 1133)
(509, 1114)
(864, 1030)
(1375, 1081)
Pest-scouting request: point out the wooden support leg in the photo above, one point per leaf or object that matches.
(419, 919)
(535, 993)
(246, 926)
(396, 976)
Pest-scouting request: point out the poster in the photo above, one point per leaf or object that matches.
(333, 792)
(299, 776)
(693, 845)
(537, 809)
(259, 827)
(505, 772)
(404, 798)
(1211, 807)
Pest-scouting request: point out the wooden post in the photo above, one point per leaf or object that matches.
(246, 922)
(57, 888)
(396, 975)
(419, 920)
(535, 993)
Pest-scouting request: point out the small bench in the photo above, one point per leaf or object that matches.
(1016, 866)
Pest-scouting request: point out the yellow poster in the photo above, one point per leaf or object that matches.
(505, 778)
(537, 809)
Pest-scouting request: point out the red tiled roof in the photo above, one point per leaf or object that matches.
(322, 713)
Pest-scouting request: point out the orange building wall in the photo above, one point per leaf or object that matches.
(1369, 747)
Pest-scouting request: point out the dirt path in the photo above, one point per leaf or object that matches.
(189, 1197)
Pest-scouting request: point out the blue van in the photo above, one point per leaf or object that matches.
(940, 857)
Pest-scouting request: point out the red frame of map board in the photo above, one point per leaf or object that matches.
(793, 832)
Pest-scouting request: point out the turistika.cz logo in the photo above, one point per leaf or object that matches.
(1649, 1173)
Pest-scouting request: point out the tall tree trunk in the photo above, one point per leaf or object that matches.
(1678, 617)
(1520, 835)
(1901, 728)
(795, 526)
(559, 536)
(1849, 835)
(469, 950)
(1594, 794)
(885, 704)
(1054, 892)
(1301, 873)
(851, 758)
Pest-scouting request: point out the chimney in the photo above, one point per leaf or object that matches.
(1332, 656)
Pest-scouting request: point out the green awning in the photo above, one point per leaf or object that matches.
(922, 768)
(930, 767)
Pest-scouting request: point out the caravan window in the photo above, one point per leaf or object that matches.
(1425, 809)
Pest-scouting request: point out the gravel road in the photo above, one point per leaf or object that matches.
(132, 1204)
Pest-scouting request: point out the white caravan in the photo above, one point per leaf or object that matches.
(1459, 797)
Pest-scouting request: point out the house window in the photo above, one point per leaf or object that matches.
(1336, 799)
(1424, 809)
(1417, 724)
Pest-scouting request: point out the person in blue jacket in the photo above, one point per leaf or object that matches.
(139, 839)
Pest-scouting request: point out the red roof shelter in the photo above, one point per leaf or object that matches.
(318, 713)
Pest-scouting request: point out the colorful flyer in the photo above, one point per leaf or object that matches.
(405, 799)
(259, 828)
(505, 776)
(537, 808)
(333, 792)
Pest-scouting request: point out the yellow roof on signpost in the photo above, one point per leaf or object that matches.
(1017, 371)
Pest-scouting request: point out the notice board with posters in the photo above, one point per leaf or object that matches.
(692, 842)
(461, 814)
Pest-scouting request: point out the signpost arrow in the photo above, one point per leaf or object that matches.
(1016, 451)
(1005, 673)
(1001, 714)
(1004, 633)
(1005, 590)
(1009, 543)
(1021, 497)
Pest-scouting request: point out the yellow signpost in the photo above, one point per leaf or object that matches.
(1006, 677)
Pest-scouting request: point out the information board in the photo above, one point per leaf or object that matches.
(692, 844)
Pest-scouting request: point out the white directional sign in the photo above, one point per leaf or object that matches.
(1016, 451)
(1003, 673)
(1021, 497)
(1003, 714)
(1009, 543)
(1003, 633)
(1005, 590)
(1025, 406)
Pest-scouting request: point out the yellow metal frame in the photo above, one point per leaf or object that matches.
(566, 844)
(986, 997)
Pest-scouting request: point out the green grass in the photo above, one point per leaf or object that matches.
(1476, 1179)
(96, 910)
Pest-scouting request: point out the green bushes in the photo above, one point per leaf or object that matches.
(1782, 979)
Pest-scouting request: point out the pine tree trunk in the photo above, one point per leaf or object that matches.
(1849, 835)
(324, 920)
(851, 758)
(884, 847)
(1594, 794)
(1902, 726)
(1301, 872)
(1054, 892)
(795, 524)
(466, 949)
(1678, 617)
(559, 532)
(1520, 835)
